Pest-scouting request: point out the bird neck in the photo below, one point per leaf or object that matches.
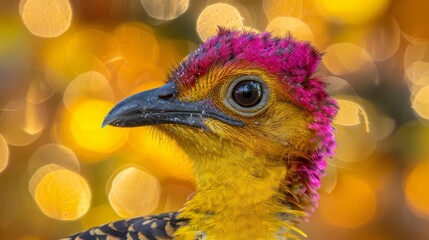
(237, 197)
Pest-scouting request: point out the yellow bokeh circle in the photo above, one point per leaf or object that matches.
(60, 193)
(46, 18)
(416, 191)
(215, 16)
(86, 130)
(134, 192)
(351, 204)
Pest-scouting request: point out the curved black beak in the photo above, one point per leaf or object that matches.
(161, 106)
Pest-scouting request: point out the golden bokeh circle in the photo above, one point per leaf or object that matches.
(281, 26)
(165, 9)
(351, 203)
(60, 193)
(134, 192)
(215, 16)
(416, 191)
(85, 125)
(53, 153)
(46, 18)
(421, 102)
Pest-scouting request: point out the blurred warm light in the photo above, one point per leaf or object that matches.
(344, 58)
(278, 8)
(177, 195)
(348, 58)
(136, 79)
(39, 91)
(416, 191)
(60, 193)
(4, 154)
(15, 119)
(215, 16)
(281, 26)
(138, 43)
(46, 18)
(352, 11)
(53, 154)
(155, 148)
(351, 114)
(134, 192)
(411, 17)
(421, 102)
(351, 204)
(35, 118)
(329, 181)
(418, 73)
(57, 70)
(337, 86)
(173, 51)
(90, 51)
(319, 29)
(98, 215)
(165, 9)
(356, 138)
(88, 85)
(416, 52)
(383, 41)
(85, 126)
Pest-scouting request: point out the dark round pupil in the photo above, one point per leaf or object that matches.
(247, 93)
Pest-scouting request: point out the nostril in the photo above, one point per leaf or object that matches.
(166, 95)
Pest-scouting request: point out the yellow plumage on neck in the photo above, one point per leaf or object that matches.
(240, 191)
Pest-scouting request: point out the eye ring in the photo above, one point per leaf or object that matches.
(247, 95)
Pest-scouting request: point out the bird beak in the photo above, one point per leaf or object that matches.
(161, 106)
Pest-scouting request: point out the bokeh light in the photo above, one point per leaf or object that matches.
(89, 85)
(351, 114)
(134, 192)
(60, 193)
(4, 154)
(416, 189)
(215, 16)
(281, 26)
(277, 8)
(85, 127)
(356, 138)
(46, 18)
(352, 11)
(348, 58)
(21, 122)
(351, 204)
(90, 50)
(53, 154)
(421, 102)
(39, 91)
(165, 9)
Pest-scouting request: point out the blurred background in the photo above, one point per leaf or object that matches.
(65, 63)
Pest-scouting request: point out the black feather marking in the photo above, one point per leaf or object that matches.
(153, 227)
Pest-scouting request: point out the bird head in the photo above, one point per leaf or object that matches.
(253, 91)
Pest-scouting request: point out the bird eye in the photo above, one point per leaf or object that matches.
(247, 95)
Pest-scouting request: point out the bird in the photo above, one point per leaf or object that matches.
(254, 117)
